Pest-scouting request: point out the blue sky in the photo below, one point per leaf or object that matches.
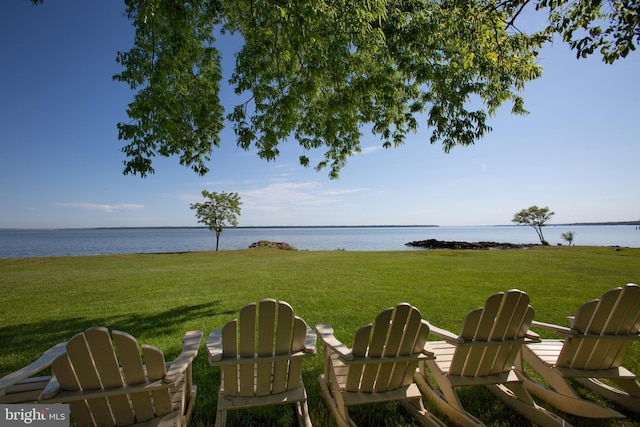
(61, 166)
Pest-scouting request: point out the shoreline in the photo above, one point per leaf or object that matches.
(443, 244)
(187, 227)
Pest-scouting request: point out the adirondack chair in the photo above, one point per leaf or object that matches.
(110, 386)
(379, 367)
(483, 354)
(260, 357)
(593, 348)
(22, 386)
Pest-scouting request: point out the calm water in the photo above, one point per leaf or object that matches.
(34, 243)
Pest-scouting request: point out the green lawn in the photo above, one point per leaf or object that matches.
(158, 297)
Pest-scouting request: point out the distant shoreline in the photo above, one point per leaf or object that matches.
(171, 227)
(381, 226)
(286, 226)
(599, 223)
(372, 226)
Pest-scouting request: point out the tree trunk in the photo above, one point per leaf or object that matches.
(539, 231)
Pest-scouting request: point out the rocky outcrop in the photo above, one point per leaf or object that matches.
(275, 245)
(439, 244)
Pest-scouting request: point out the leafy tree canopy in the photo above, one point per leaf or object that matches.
(320, 71)
(611, 27)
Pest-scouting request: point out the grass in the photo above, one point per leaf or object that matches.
(157, 297)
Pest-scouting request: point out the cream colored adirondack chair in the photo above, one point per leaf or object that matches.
(483, 354)
(379, 367)
(260, 357)
(110, 386)
(593, 348)
(22, 386)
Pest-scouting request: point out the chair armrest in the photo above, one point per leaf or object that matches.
(51, 389)
(531, 336)
(446, 335)
(310, 342)
(38, 365)
(325, 332)
(214, 345)
(561, 330)
(191, 344)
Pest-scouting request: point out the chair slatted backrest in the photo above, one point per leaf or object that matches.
(395, 332)
(493, 335)
(605, 329)
(92, 363)
(262, 332)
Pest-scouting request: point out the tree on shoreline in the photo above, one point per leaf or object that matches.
(568, 237)
(535, 217)
(220, 209)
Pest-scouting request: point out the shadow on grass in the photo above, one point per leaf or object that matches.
(25, 342)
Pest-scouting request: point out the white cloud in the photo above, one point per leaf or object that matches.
(291, 195)
(189, 197)
(482, 165)
(101, 207)
(283, 193)
(345, 191)
(367, 150)
(219, 183)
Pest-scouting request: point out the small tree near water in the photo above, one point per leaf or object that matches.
(567, 236)
(218, 211)
(535, 217)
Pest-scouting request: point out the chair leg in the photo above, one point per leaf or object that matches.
(302, 412)
(515, 395)
(221, 419)
(570, 405)
(190, 404)
(550, 375)
(630, 386)
(448, 402)
(416, 408)
(561, 394)
(339, 411)
(628, 396)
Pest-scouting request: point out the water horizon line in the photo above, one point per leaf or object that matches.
(169, 227)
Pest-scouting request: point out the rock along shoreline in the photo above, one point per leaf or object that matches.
(440, 244)
(269, 244)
